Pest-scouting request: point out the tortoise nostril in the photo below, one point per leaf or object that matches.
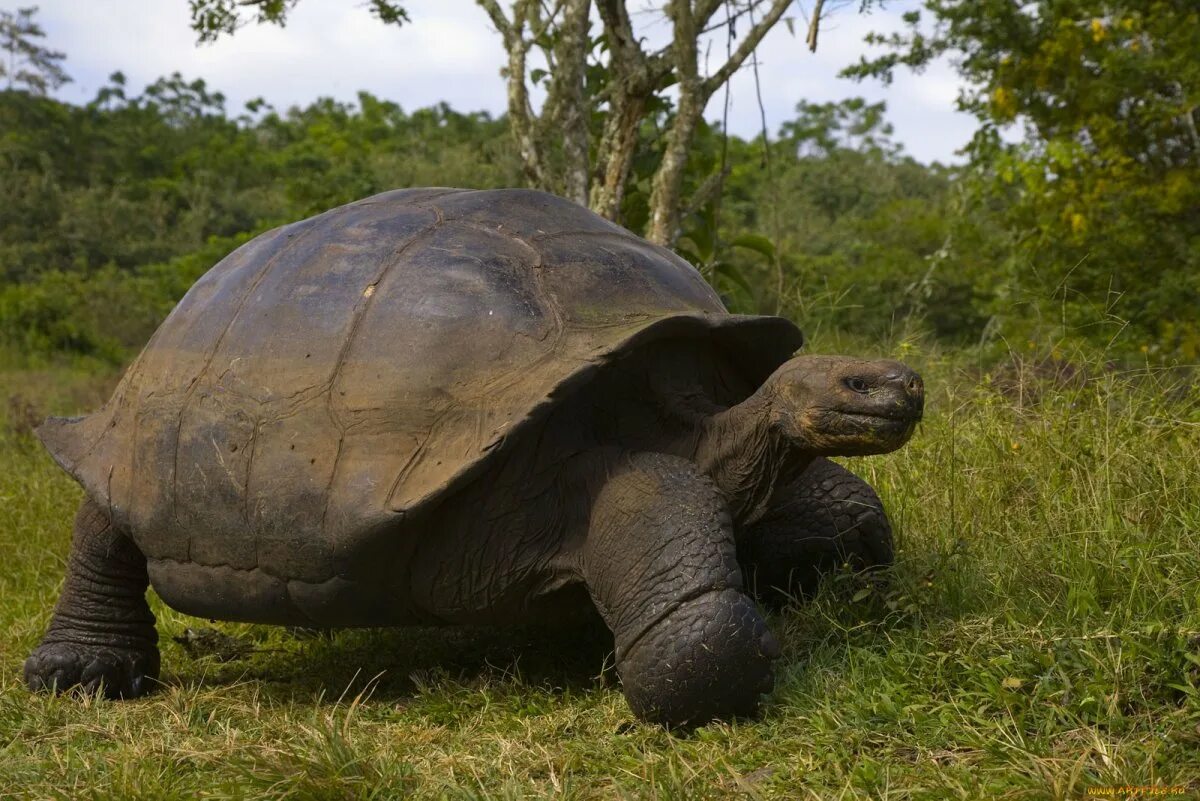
(914, 384)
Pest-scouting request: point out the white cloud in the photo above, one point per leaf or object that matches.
(451, 53)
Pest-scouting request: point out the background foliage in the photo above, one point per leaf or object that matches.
(1076, 216)
(1098, 199)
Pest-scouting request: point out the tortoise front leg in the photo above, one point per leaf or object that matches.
(660, 564)
(102, 636)
(825, 518)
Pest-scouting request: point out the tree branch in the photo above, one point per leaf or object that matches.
(497, 14)
(730, 20)
(704, 11)
(548, 20)
(624, 44)
(520, 112)
(707, 191)
(814, 26)
(745, 48)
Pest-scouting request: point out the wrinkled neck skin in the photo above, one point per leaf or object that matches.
(747, 456)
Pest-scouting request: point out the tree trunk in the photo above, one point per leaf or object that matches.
(665, 200)
(633, 78)
(571, 111)
(520, 113)
(555, 146)
(618, 144)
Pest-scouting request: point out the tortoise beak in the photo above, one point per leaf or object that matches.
(908, 391)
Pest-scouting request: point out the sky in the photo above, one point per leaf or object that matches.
(450, 52)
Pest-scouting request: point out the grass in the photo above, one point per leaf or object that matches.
(1039, 638)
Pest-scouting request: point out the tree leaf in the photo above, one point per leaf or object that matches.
(731, 272)
(756, 242)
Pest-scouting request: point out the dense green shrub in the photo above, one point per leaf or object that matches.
(127, 181)
(108, 313)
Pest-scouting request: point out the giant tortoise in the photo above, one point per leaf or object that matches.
(441, 406)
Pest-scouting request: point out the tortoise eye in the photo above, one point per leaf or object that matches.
(858, 385)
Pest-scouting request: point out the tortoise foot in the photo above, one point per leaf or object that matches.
(113, 672)
(709, 659)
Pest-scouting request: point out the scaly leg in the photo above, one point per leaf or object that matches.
(102, 636)
(660, 564)
(826, 518)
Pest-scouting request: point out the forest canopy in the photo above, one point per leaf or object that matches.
(1085, 228)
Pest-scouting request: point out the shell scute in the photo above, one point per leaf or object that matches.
(328, 381)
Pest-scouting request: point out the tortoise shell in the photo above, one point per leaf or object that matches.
(332, 378)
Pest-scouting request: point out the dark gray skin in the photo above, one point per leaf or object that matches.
(643, 497)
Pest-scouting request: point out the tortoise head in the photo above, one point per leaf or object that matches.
(841, 406)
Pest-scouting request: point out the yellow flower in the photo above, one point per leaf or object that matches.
(1078, 223)
(1098, 31)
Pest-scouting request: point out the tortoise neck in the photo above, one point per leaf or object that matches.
(747, 457)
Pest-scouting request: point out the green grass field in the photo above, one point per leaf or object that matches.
(1039, 638)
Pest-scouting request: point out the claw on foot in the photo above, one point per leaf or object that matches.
(91, 669)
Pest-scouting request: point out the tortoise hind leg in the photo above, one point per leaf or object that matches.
(102, 636)
(825, 518)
